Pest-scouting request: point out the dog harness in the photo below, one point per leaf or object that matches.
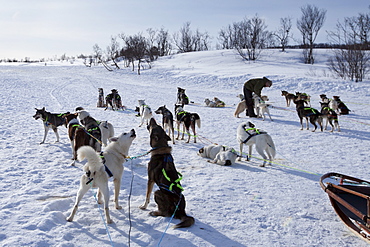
(110, 174)
(168, 158)
(314, 111)
(255, 132)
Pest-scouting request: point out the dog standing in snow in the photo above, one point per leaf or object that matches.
(247, 134)
(145, 112)
(98, 171)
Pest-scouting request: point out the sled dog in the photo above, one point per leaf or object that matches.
(92, 129)
(98, 170)
(261, 106)
(218, 154)
(51, 121)
(330, 115)
(187, 120)
(182, 99)
(248, 135)
(289, 97)
(163, 173)
(145, 112)
(308, 113)
(167, 121)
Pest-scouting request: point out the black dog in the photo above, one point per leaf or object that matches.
(330, 115)
(162, 171)
(114, 100)
(308, 113)
(188, 120)
(92, 129)
(167, 120)
(182, 99)
(51, 121)
(341, 106)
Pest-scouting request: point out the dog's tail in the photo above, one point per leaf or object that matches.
(94, 162)
(271, 146)
(186, 221)
(196, 119)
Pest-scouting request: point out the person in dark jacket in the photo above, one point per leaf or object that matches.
(254, 86)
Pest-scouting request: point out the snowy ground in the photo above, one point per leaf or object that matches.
(241, 205)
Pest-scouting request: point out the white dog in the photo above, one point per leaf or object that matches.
(98, 170)
(107, 132)
(247, 134)
(261, 106)
(145, 112)
(218, 154)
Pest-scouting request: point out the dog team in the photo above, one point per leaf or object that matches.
(89, 140)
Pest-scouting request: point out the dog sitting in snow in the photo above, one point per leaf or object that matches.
(98, 170)
(163, 173)
(247, 134)
(218, 154)
(182, 99)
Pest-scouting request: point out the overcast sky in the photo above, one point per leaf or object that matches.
(47, 28)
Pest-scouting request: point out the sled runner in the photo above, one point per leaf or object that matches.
(350, 198)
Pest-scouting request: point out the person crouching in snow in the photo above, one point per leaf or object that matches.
(254, 86)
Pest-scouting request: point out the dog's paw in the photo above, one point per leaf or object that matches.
(143, 207)
(109, 221)
(119, 207)
(155, 213)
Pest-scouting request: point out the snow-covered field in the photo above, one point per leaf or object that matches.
(240, 205)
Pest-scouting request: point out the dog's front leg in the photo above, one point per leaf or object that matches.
(241, 152)
(46, 130)
(148, 192)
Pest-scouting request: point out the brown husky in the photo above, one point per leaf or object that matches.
(162, 171)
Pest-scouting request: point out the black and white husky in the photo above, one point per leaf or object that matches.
(51, 121)
(145, 112)
(247, 134)
(218, 154)
(188, 120)
(167, 121)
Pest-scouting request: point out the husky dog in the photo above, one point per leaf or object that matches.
(210, 103)
(305, 97)
(343, 109)
(218, 154)
(261, 106)
(167, 121)
(308, 113)
(289, 97)
(101, 98)
(163, 173)
(76, 133)
(330, 116)
(97, 171)
(51, 121)
(324, 99)
(92, 128)
(247, 134)
(182, 99)
(242, 106)
(240, 96)
(114, 100)
(107, 131)
(188, 120)
(145, 112)
(219, 102)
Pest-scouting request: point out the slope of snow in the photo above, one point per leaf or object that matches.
(241, 205)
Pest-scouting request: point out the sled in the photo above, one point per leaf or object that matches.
(350, 198)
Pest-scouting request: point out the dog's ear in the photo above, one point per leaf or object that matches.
(251, 125)
(43, 109)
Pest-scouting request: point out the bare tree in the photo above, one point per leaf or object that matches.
(137, 45)
(282, 34)
(309, 25)
(351, 60)
(163, 42)
(186, 41)
(113, 51)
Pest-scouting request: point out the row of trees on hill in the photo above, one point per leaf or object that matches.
(249, 37)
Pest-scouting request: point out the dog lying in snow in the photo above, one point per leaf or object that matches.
(218, 154)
